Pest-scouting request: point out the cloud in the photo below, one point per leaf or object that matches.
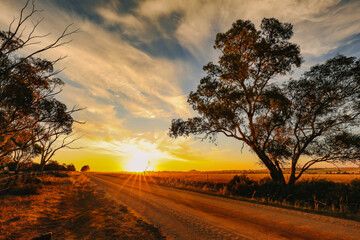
(324, 32)
(106, 72)
(132, 25)
(112, 69)
(319, 25)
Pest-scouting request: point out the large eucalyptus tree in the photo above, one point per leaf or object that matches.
(315, 116)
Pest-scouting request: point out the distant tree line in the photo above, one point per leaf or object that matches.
(33, 166)
(33, 122)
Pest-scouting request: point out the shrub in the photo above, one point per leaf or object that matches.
(85, 168)
(59, 174)
(265, 180)
(354, 196)
(70, 167)
(34, 167)
(34, 180)
(318, 194)
(25, 189)
(242, 179)
(54, 166)
(241, 186)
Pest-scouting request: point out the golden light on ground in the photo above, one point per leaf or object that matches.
(140, 161)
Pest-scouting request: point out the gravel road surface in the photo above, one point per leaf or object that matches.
(182, 214)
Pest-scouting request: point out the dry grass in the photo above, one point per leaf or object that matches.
(70, 208)
(226, 177)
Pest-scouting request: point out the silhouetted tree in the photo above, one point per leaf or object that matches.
(70, 167)
(279, 122)
(85, 168)
(53, 140)
(28, 87)
(54, 166)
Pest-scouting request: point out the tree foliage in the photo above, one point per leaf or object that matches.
(28, 90)
(85, 168)
(315, 116)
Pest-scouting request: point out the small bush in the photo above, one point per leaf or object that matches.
(70, 167)
(242, 179)
(34, 180)
(317, 194)
(354, 196)
(34, 167)
(265, 180)
(85, 168)
(54, 166)
(59, 174)
(25, 189)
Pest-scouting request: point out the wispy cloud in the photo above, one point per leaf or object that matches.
(132, 25)
(319, 25)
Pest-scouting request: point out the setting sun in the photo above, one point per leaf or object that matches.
(139, 161)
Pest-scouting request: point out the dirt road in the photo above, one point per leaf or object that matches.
(182, 214)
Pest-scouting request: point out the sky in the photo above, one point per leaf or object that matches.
(133, 63)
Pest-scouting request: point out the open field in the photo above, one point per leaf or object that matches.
(70, 208)
(345, 175)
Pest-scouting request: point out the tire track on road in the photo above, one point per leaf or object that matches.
(186, 215)
(175, 224)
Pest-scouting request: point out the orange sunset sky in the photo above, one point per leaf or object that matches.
(133, 63)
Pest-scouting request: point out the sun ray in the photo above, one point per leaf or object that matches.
(133, 183)
(126, 181)
(152, 180)
(146, 183)
(140, 178)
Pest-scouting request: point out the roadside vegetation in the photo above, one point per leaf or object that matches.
(337, 199)
(330, 174)
(66, 205)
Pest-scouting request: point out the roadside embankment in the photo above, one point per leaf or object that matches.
(70, 208)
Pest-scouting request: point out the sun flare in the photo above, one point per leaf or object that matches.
(140, 161)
